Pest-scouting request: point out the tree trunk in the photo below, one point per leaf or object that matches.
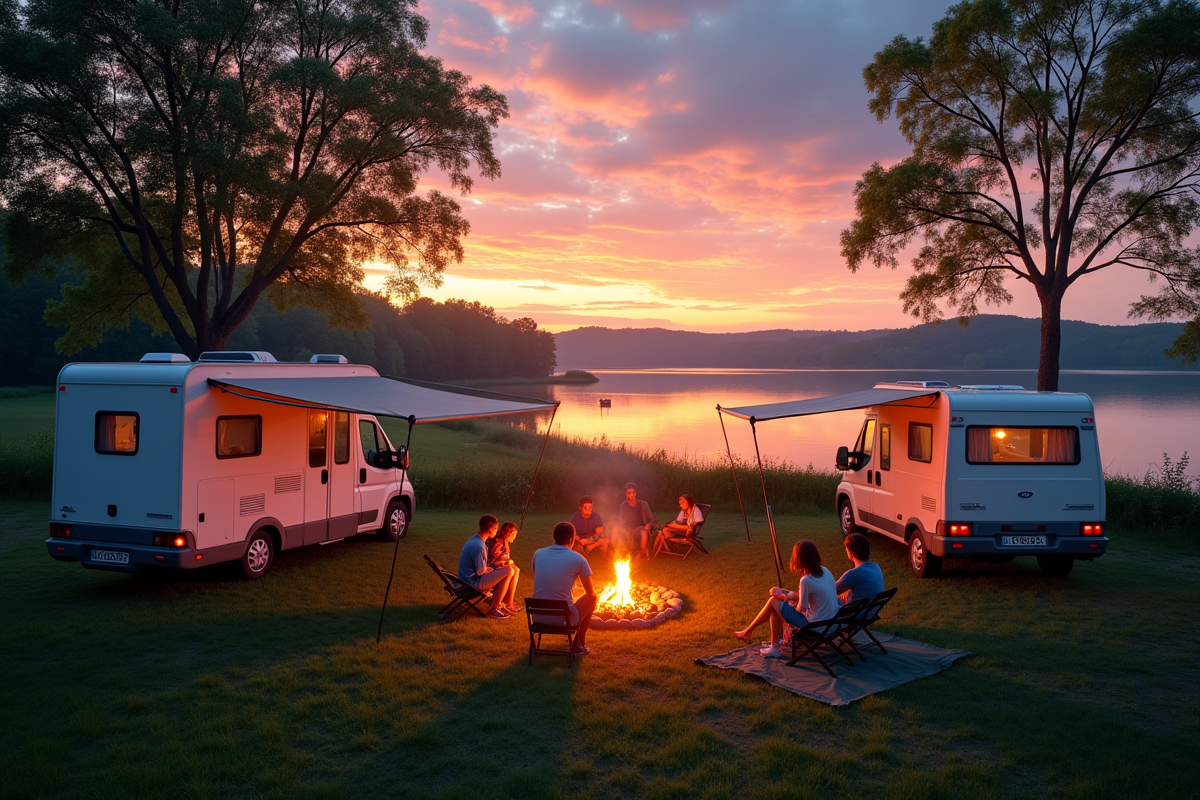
(1047, 380)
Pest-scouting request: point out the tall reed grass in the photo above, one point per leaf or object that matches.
(14, 392)
(27, 466)
(1164, 500)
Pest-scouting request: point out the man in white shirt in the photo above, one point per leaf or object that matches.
(555, 569)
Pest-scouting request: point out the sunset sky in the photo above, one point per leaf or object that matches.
(687, 164)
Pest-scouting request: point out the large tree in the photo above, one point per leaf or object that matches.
(189, 156)
(1051, 139)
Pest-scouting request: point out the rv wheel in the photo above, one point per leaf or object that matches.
(923, 563)
(846, 518)
(1057, 566)
(260, 555)
(395, 521)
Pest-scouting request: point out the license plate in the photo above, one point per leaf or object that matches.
(1023, 541)
(110, 557)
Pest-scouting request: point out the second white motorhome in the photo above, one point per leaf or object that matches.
(989, 472)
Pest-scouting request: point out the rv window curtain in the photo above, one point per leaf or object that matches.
(979, 445)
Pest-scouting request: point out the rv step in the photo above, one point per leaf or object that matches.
(331, 541)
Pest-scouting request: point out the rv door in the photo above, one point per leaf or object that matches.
(373, 483)
(862, 477)
(316, 478)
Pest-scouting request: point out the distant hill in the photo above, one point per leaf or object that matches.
(990, 341)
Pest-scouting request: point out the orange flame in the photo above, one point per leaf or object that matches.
(617, 594)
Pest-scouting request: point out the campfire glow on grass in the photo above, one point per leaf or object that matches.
(625, 605)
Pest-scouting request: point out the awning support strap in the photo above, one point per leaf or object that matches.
(770, 519)
(733, 471)
(533, 480)
(412, 420)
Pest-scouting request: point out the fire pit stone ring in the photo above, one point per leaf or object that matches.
(666, 605)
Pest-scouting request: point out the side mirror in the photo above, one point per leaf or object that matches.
(843, 458)
(402, 458)
(392, 459)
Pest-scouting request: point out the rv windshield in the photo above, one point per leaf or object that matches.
(1008, 445)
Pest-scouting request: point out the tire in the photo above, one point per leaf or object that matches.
(259, 556)
(1056, 566)
(846, 518)
(395, 521)
(923, 563)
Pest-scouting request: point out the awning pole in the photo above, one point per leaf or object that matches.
(412, 420)
(733, 471)
(770, 518)
(533, 480)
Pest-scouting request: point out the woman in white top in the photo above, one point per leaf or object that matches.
(689, 517)
(816, 599)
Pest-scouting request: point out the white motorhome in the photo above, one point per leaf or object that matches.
(988, 472)
(157, 466)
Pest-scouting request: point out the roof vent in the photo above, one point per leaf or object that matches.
(165, 358)
(256, 356)
(993, 387)
(328, 358)
(923, 384)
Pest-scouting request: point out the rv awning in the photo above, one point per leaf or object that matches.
(383, 397)
(823, 405)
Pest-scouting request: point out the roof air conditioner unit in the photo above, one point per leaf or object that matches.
(255, 356)
(165, 358)
(328, 358)
(923, 384)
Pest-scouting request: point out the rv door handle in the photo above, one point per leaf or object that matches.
(879, 479)
(324, 476)
(362, 475)
(870, 478)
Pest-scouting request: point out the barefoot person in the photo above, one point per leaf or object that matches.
(555, 569)
(500, 555)
(589, 528)
(689, 517)
(473, 568)
(633, 522)
(816, 600)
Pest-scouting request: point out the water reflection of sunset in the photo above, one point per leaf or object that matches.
(1140, 415)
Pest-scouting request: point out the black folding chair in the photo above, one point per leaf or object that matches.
(551, 617)
(863, 622)
(687, 542)
(809, 640)
(463, 595)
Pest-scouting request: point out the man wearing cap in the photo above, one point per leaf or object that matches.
(633, 521)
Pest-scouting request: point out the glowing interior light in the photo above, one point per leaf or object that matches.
(999, 434)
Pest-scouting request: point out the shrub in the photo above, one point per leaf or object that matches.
(1161, 501)
(27, 467)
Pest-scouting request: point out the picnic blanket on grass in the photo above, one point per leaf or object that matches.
(906, 660)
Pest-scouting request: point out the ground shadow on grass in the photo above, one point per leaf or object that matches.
(506, 737)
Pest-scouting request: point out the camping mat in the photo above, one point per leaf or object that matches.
(905, 661)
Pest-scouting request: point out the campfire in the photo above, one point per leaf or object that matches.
(624, 604)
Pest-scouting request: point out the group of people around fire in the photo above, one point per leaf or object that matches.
(486, 564)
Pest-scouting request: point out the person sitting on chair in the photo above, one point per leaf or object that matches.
(555, 569)
(500, 555)
(817, 599)
(865, 578)
(633, 521)
(589, 528)
(473, 568)
(689, 517)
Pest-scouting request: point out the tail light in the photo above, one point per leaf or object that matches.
(170, 540)
(1091, 528)
(954, 528)
(60, 530)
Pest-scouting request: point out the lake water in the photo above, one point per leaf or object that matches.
(1139, 415)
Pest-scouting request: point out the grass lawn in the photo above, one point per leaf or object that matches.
(205, 686)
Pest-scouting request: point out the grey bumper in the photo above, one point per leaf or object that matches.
(1056, 544)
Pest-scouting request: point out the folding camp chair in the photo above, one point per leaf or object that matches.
(863, 622)
(463, 594)
(808, 640)
(687, 542)
(550, 617)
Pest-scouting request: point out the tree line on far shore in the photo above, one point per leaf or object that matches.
(427, 340)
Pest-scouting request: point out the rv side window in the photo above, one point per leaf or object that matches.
(239, 437)
(341, 437)
(866, 438)
(370, 439)
(920, 442)
(117, 433)
(885, 447)
(1004, 445)
(318, 432)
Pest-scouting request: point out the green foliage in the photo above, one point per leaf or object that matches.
(187, 159)
(1164, 501)
(27, 466)
(1050, 140)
